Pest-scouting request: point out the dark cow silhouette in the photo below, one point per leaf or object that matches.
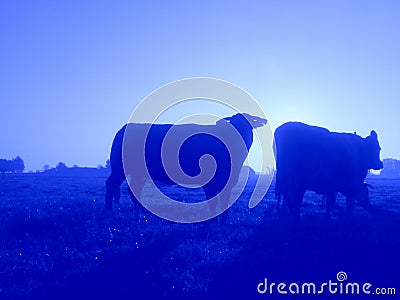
(329, 198)
(313, 158)
(362, 197)
(228, 142)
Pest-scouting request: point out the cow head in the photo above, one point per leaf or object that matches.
(244, 119)
(244, 124)
(372, 151)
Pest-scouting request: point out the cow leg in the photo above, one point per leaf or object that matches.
(113, 184)
(117, 195)
(330, 202)
(278, 192)
(294, 203)
(349, 205)
(278, 201)
(282, 205)
(210, 191)
(363, 197)
(224, 198)
(134, 189)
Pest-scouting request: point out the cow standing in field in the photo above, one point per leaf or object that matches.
(143, 144)
(313, 158)
(362, 198)
(329, 199)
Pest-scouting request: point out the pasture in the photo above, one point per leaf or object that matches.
(56, 242)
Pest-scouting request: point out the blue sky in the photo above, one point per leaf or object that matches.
(72, 72)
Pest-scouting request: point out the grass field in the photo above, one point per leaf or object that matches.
(56, 241)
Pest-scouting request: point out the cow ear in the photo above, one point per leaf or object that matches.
(228, 119)
(222, 121)
(373, 134)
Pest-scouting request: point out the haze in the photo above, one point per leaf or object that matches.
(72, 72)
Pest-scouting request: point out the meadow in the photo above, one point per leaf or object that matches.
(57, 242)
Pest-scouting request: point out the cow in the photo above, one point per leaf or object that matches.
(329, 199)
(362, 198)
(228, 142)
(314, 158)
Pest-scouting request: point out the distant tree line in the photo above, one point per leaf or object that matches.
(62, 167)
(15, 165)
(391, 168)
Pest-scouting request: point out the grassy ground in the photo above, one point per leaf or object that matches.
(57, 242)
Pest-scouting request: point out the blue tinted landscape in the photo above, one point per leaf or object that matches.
(58, 242)
(73, 73)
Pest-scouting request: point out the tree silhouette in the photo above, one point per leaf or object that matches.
(391, 168)
(5, 166)
(15, 165)
(18, 164)
(61, 166)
